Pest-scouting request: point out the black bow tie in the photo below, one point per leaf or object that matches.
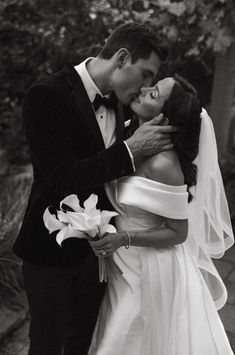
(107, 102)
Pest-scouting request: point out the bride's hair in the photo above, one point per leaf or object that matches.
(183, 109)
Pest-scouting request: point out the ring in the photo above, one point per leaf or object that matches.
(103, 253)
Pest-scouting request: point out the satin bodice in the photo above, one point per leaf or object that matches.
(144, 204)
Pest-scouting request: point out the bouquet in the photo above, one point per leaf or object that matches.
(74, 221)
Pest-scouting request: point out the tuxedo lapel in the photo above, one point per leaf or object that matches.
(83, 105)
(120, 128)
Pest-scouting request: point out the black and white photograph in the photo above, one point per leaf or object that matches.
(117, 177)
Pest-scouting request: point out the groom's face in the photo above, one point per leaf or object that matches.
(130, 77)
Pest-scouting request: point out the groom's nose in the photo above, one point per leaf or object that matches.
(144, 90)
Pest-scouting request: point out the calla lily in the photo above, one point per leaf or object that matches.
(51, 222)
(73, 218)
(90, 203)
(72, 201)
(63, 217)
(107, 228)
(106, 216)
(81, 222)
(87, 222)
(68, 232)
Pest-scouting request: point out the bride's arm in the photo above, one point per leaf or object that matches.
(165, 168)
(174, 233)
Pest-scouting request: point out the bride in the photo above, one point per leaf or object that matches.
(173, 218)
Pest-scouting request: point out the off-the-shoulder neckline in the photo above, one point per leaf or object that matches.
(150, 182)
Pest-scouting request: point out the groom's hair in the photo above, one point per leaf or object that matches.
(139, 39)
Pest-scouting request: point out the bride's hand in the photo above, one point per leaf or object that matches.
(108, 244)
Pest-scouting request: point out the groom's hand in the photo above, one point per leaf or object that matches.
(151, 137)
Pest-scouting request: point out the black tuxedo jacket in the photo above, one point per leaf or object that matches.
(68, 157)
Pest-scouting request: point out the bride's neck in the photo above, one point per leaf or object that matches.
(141, 120)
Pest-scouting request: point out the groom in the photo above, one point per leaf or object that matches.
(75, 129)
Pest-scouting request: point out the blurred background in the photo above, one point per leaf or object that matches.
(37, 37)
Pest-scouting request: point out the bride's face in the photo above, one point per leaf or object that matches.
(151, 99)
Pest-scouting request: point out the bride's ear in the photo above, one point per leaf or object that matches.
(123, 56)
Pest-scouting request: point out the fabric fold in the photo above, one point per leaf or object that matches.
(154, 197)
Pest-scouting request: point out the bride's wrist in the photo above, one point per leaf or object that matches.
(124, 238)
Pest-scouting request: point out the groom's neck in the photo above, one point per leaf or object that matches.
(100, 71)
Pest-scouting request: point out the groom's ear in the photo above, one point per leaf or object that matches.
(123, 55)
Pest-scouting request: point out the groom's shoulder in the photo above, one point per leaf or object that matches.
(53, 86)
(54, 81)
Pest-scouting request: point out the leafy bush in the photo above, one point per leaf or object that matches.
(36, 39)
(13, 194)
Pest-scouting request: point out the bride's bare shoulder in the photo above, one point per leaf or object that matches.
(165, 167)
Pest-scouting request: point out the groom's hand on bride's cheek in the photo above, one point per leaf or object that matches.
(152, 137)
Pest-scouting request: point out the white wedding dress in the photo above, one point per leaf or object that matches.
(165, 301)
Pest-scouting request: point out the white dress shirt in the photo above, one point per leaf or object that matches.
(105, 117)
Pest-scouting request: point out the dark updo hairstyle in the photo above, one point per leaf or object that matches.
(183, 109)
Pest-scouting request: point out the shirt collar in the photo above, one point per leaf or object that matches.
(88, 83)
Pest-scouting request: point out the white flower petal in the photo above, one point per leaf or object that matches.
(108, 228)
(72, 201)
(68, 232)
(93, 212)
(63, 217)
(93, 232)
(90, 203)
(91, 222)
(77, 220)
(106, 216)
(51, 222)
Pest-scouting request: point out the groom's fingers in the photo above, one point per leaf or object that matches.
(168, 129)
(167, 147)
(165, 141)
(157, 120)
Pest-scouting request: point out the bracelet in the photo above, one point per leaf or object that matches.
(127, 246)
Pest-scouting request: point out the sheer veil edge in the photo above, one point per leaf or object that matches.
(210, 229)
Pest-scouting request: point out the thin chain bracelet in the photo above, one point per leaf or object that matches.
(128, 244)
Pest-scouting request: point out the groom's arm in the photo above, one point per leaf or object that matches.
(46, 126)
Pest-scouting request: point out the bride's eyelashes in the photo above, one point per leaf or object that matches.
(154, 93)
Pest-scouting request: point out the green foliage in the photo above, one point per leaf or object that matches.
(202, 24)
(196, 30)
(13, 195)
(37, 37)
